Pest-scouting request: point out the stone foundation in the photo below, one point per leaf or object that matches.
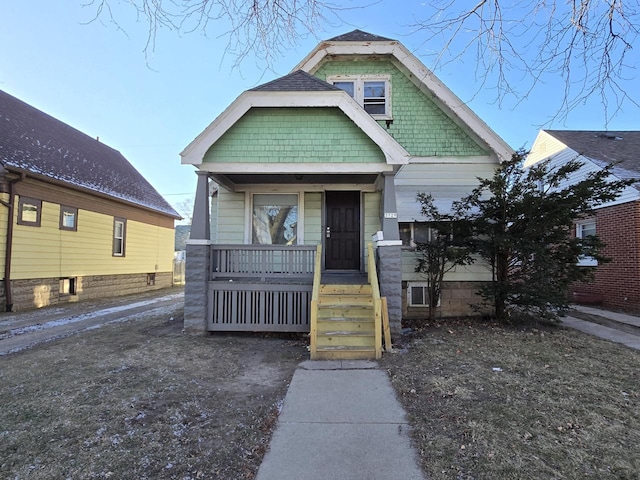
(43, 292)
(455, 301)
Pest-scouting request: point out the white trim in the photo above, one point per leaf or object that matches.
(586, 261)
(422, 77)
(301, 168)
(358, 94)
(249, 213)
(199, 242)
(308, 188)
(410, 285)
(394, 153)
(389, 243)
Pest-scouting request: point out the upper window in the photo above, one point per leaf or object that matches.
(68, 218)
(585, 229)
(29, 211)
(119, 236)
(372, 92)
(274, 219)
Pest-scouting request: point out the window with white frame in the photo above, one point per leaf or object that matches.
(584, 229)
(119, 236)
(274, 219)
(418, 295)
(371, 92)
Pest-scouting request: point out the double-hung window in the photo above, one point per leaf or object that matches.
(584, 229)
(372, 92)
(274, 219)
(119, 236)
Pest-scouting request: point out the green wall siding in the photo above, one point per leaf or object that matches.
(231, 222)
(312, 218)
(315, 135)
(418, 124)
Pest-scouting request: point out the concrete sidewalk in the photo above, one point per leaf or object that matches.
(631, 340)
(340, 420)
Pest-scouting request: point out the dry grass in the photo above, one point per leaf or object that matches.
(141, 400)
(492, 402)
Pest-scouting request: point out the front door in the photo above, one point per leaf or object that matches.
(342, 230)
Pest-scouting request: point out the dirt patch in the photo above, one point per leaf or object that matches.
(493, 402)
(142, 400)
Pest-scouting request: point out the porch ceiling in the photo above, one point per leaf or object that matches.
(237, 180)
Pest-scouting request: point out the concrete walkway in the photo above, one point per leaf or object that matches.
(340, 420)
(631, 340)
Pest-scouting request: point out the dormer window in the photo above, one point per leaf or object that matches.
(372, 92)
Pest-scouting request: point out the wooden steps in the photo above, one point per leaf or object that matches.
(345, 323)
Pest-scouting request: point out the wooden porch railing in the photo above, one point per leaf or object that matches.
(314, 303)
(377, 301)
(260, 287)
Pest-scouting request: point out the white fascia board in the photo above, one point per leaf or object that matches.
(420, 74)
(394, 153)
(471, 159)
(299, 168)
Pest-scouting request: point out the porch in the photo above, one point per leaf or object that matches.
(276, 288)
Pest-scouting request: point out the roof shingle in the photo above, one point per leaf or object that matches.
(298, 81)
(605, 147)
(359, 36)
(34, 142)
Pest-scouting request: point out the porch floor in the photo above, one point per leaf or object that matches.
(344, 278)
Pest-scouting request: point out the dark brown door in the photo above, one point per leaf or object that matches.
(342, 231)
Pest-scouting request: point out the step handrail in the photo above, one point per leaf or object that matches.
(315, 294)
(377, 301)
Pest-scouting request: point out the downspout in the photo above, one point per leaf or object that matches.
(9, 244)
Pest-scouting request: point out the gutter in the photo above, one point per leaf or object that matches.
(9, 243)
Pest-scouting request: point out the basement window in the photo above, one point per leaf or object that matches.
(418, 295)
(68, 286)
(151, 279)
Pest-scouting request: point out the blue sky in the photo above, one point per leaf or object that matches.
(97, 79)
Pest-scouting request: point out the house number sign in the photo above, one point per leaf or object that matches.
(390, 215)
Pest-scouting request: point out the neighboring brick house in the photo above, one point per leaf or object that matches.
(330, 155)
(617, 223)
(77, 219)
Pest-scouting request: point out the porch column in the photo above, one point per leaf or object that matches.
(198, 263)
(390, 256)
(390, 211)
(201, 218)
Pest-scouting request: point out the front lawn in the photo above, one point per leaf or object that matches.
(493, 402)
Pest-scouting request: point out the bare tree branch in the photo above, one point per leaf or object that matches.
(262, 28)
(520, 44)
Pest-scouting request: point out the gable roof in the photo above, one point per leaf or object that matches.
(359, 36)
(38, 144)
(605, 146)
(358, 42)
(297, 81)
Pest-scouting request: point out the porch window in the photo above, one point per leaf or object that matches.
(370, 91)
(274, 219)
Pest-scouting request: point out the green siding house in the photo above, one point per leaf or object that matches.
(311, 169)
